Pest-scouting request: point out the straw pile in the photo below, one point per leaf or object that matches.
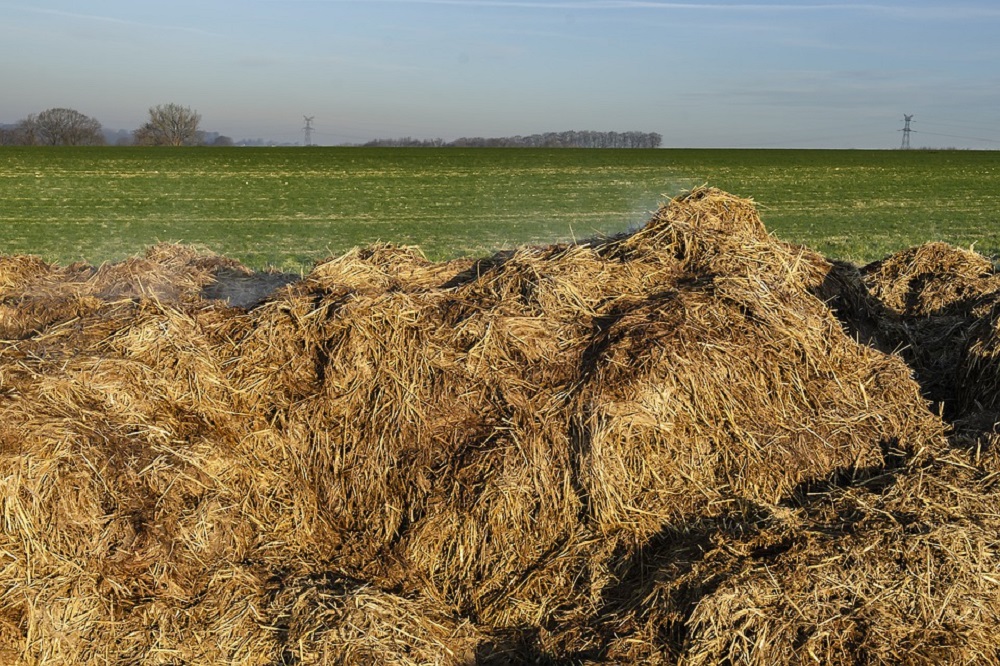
(940, 305)
(664, 447)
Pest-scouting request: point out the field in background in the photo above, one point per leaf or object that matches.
(288, 207)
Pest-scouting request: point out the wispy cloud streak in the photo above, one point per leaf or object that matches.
(943, 11)
(110, 20)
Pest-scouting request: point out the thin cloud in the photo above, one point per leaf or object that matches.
(939, 12)
(111, 20)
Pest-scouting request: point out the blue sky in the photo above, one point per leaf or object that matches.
(702, 74)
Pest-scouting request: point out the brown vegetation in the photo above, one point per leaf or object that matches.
(664, 447)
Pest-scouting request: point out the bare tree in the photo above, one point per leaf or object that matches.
(59, 127)
(25, 132)
(170, 125)
(9, 136)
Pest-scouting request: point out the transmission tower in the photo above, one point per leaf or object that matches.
(906, 132)
(308, 129)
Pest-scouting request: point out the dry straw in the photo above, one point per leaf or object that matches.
(689, 444)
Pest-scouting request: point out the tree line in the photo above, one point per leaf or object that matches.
(176, 125)
(567, 139)
(168, 125)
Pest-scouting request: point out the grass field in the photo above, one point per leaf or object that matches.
(288, 207)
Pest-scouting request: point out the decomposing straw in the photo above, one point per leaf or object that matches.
(690, 444)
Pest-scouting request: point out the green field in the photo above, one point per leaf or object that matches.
(287, 207)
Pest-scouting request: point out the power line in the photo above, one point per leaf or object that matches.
(956, 136)
(907, 131)
(961, 126)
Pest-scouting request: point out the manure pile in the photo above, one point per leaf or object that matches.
(691, 444)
